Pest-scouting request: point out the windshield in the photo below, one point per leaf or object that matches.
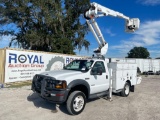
(79, 65)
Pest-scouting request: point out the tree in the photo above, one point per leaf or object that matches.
(46, 25)
(138, 52)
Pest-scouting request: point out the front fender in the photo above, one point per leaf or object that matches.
(79, 82)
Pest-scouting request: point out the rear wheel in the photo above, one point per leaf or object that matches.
(126, 90)
(76, 102)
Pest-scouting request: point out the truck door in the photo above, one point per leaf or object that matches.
(99, 81)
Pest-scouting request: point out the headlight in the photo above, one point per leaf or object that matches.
(61, 85)
(51, 84)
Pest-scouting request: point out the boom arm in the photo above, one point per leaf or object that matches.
(96, 11)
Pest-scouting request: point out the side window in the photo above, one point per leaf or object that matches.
(99, 64)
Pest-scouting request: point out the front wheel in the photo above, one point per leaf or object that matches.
(126, 90)
(76, 102)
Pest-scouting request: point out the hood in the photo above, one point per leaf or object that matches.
(62, 74)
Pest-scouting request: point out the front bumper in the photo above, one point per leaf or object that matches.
(54, 95)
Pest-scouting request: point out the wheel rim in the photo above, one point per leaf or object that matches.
(78, 103)
(127, 89)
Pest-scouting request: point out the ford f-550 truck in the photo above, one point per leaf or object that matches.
(85, 79)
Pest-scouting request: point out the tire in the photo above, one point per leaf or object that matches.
(76, 102)
(126, 90)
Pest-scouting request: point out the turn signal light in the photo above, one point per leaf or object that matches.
(58, 86)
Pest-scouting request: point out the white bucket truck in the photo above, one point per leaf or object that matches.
(92, 77)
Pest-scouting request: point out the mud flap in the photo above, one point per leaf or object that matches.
(132, 88)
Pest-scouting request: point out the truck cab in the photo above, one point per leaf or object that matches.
(93, 71)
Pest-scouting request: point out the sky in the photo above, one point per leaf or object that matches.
(113, 29)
